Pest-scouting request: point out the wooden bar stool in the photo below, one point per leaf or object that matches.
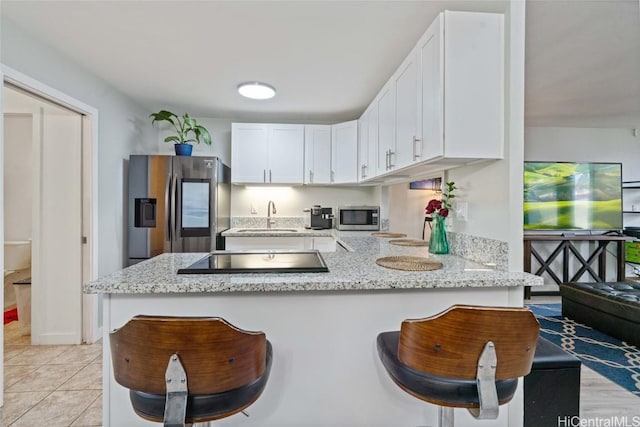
(189, 369)
(465, 357)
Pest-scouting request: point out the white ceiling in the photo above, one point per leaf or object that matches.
(328, 59)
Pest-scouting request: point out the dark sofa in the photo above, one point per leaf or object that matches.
(611, 307)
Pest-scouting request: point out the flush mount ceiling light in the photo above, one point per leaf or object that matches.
(256, 90)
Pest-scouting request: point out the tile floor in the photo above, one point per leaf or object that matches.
(50, 385)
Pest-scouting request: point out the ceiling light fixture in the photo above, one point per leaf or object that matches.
(256, 90)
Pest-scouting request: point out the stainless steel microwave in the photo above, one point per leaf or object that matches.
(358, 218)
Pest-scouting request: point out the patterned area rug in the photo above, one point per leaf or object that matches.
(610, 357)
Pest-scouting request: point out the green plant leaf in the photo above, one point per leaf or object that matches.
(204, 133)
(173, 138)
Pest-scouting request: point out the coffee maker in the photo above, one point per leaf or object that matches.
(320, 218)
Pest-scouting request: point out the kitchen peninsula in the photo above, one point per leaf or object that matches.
(322, 326)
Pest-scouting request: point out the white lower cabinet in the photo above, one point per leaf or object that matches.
(300, 243)
(323, 244)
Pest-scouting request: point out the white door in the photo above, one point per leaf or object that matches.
(372, 151)
(57, 240)
(407, 112)
(285, 154)
(249, 153)
(386, 129)
(317, 153)
(363, 146)
(432, 80)
(344, 152)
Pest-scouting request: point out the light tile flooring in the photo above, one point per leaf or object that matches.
(57, 385)
(61, 386)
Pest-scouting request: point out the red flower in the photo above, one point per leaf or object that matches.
(441, 207)
(433, 206)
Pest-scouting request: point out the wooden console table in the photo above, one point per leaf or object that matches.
(566, 248)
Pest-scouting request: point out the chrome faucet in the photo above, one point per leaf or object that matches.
(271, 209)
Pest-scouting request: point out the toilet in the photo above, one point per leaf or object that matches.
(17, 256)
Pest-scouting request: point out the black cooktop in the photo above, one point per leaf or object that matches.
(275, 261)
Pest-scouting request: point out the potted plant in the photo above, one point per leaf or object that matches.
(188, 131)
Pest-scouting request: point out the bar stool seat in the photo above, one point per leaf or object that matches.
(182, 370)
(465, 357)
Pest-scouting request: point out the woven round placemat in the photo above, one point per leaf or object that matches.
(385, 234)
(409, 263)
(409, 242)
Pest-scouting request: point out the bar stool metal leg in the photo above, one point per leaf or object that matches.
(445, 416)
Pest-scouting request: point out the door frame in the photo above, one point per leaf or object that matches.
(91, 325)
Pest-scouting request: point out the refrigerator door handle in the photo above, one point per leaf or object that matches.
(167, 206)
(174, 208)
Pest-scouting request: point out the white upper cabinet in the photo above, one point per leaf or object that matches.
(248, 152)
(371, 169)
(363, 146)
(462, 79)
(386, 128)
(406, 84)
(267, 153)
(344, 153)
(317, 154)
(444, 105)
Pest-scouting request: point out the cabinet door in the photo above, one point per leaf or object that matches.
(324, 244)
(257, 243)
(386, 129)
(430, 50)
(249, 153)
(317, 154)
(372, 168)
(406, 82)
(363, 145)
(344, 152)
(474, 85)
(285, 155)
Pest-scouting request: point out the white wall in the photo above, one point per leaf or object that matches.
(585, 145)
(290, 201)
(123, 129)
(406, 213)
(18, 170)
(220, 130)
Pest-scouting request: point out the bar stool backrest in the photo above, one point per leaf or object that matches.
(449, 344)
(216, 355)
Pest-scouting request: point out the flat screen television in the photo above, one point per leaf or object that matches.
(572, 196)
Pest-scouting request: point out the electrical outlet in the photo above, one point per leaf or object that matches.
(253, 210)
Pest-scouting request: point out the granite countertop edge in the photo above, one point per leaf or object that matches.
(353, 270)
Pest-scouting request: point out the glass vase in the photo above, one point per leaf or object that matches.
(438, 241)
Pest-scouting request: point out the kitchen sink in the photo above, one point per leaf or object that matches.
(267, 230)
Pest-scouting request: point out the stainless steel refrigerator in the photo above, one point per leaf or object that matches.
(177, 204)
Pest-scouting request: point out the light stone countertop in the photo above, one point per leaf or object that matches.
(348, 271)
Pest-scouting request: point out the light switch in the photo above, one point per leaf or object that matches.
(462, 209)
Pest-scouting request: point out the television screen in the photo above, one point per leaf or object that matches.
(572, 196)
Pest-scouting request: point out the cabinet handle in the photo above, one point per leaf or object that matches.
(332, 176)
(264, 175)
(415, 155)
(270, 175)
(391, 153)
(311, 177)
(386, 166)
